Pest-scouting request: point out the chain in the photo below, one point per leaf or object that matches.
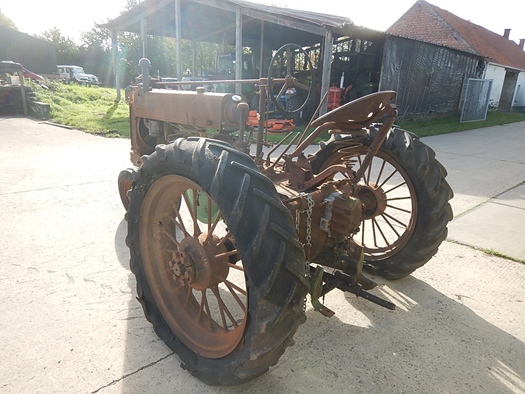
(308, 212)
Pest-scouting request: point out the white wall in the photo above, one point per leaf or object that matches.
(497, 74)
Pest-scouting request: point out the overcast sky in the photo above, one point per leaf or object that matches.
(73, 17)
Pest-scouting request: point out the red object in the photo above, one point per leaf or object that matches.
(334, 97)
(31, 75)
(271, 125)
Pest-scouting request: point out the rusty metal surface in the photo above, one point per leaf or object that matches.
(360, 112)
(189, 287)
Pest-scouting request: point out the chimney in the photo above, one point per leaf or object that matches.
(522, 43)
(506, 34)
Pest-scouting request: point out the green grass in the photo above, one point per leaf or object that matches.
(91, 109)
(451, 124)
(94, 110)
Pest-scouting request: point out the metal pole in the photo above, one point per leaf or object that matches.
(144, 36)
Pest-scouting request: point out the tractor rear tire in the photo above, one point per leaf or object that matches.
(426, 192)
(243, 219)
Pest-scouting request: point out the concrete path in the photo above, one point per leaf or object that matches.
(71, 323)
(486, 170)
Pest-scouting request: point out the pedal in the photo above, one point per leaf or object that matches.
(316, 286)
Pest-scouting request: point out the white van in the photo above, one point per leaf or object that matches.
(76, 74)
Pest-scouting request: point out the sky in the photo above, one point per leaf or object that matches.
(73, 17)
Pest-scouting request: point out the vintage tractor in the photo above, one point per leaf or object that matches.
(226, 242)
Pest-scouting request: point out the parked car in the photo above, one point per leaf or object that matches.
(76, 74)
(31, 75)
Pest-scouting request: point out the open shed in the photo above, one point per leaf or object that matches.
(262, 28)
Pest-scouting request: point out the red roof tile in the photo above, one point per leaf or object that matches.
(428, 23)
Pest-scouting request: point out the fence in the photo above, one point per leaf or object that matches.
(476, 100)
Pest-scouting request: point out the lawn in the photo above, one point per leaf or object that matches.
(94, 110)
(89, 108)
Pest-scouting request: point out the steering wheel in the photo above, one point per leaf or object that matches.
(283, 65)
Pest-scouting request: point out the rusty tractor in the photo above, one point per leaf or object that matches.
(227, 240)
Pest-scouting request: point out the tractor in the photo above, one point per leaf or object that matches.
(227, 238)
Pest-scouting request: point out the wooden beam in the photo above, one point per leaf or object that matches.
(116, 71)
(238, 49)
(327, 61)
(178, 39)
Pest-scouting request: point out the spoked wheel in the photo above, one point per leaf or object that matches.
(292, 63)
(200, 290)
(405, 195)
(220, 273)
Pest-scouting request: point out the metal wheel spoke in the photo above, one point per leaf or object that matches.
(396, 220)
(395, 187)
(234, 294)
(281, 92)
(212, 226)
(225, 254)
(399, 198)
(224, 239)
(367, 177)
(381, 231)
(390, 224)
(380, 172)
(179, 222)
(196, 229)
(374, 233)
(388, 178)
(228, 283)
(205, 307)
(399, 209)
(223, 309)
(188, 295)
(171, 237)
(301, 86)
(234, 266)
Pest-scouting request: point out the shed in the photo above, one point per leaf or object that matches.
(430, 53)
(245, 24)
(33, 53)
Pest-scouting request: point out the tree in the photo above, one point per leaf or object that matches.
(67, 51)
(6, 21)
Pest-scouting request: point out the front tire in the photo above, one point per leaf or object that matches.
(220, 272)
(406, 197)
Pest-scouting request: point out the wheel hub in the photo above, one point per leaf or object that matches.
(182, 267)
(374, 199)
(198, 262)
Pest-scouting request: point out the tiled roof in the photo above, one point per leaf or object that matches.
(428, 23)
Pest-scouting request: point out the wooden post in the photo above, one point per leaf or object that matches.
(327, 60)
(116, 71)
(23, 91)
(178, 39)
(238, 49)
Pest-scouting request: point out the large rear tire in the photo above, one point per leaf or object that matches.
(220, 272)
(406, 198)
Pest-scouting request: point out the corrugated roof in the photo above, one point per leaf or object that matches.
(428, 23)
(211, 20)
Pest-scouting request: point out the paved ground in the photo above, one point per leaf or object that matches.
(71, 324)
